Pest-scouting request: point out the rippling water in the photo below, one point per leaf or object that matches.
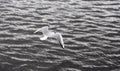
(90, 28)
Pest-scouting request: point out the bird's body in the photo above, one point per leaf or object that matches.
(50, 34)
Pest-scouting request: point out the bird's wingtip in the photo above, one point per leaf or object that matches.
(34, 31)
(62, 45)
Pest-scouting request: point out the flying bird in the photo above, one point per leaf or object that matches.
(50, 34)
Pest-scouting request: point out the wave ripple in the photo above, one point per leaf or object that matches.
(90, 29)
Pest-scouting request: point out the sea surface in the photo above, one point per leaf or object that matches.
(90, 30)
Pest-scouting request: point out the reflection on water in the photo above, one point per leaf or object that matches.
(90, 29)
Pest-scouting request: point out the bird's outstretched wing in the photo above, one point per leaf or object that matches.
(60, 39)
(44, 30)
(37, 30)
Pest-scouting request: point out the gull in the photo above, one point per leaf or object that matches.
(50, 34)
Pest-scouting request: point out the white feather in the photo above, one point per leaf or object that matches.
(47, 33)
(43, 38)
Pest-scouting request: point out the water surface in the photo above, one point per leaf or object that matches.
(90, 28)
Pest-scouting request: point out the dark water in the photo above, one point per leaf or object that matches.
(90, 28)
